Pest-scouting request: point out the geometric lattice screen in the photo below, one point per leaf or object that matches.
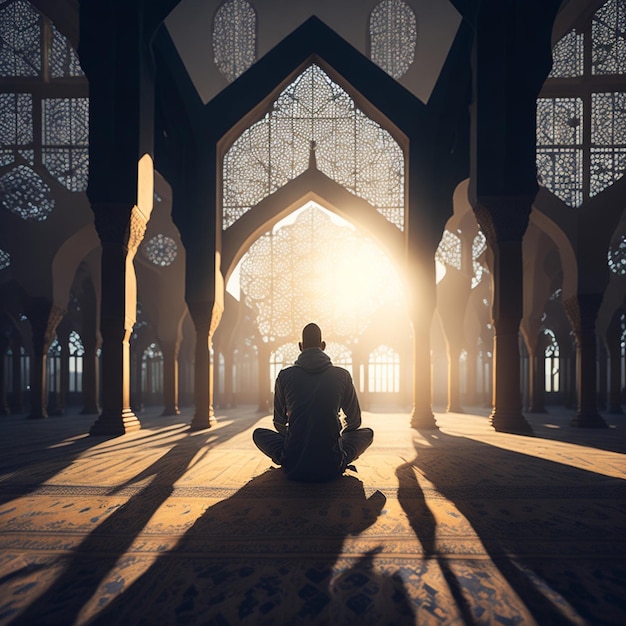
(316, 269)
(581, 134)
(352, 149)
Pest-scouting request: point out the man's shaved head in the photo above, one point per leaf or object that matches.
(312, 337)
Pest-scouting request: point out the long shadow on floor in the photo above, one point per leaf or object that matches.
(269, 555)
(554, 532)
(94, 558)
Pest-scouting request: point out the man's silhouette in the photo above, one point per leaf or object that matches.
(310, 443)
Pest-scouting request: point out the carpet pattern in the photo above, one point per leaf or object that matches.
(457, 526)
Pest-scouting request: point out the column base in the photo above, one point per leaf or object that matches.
(456, 408)
(514, 423)
(423, 420)
(202, 422)
(115, 424)
(170, 410)
(588, 420)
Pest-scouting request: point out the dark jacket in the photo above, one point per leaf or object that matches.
(307, 399)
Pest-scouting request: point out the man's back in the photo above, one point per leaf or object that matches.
(310, 443)
(308, 398)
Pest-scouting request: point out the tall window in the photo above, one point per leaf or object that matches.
(234, 38)
(315, 266)
(53, 367)
(384, 370)
(39, 134)
(152, 370)
(350, 148)
(77, 351)
(551, 355)
(393, 36)
(581, 114)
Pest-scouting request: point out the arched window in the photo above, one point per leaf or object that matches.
(282, 357)
(552, 364)
(581, 117)
(316, 266)
(384, 370)
(479, 245)
(245, 372)
(53, 367)
(350, 148)
(234, 38)
(77, 351)
(39, 131)
(393, 36)
(152, 372)
(449, 250)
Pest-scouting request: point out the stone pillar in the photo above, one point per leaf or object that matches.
(601, 360)
(121, 229)
(582, 311)
(421, 313)
(537, 374)
(454, 381)
(613, 337)
(170, 350)
(205, 321)
(504, 220)
(44, 318)
(60, 396)
(136, 379)
(264, 378)
(472, 361)
(17, 393)
(91, 342)
(4, 407)
(90, 375)
(228, 378)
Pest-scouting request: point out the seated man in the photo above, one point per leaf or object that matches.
(310, 444)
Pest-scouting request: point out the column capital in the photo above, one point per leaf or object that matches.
(117, 223)
(582, 312)
(503, 218)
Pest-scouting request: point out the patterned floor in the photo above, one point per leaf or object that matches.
(457, 526)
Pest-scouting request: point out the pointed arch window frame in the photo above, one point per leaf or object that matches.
(261, 114)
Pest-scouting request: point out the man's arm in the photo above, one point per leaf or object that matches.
(280, 411)
(350, 405)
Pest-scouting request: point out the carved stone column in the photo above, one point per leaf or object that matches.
(90, 375)
(472, 359)
(613, 337)
(205, 318)
(121, 230)
(44, 318)
(17, 393)
(421, 310)
(264, 378)
(603, 383)
(4, 407)
(228, 378)
(582, 311)
(503, 219)
(60, 395)
(454, 381)
(537, 374)
(170, 376)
